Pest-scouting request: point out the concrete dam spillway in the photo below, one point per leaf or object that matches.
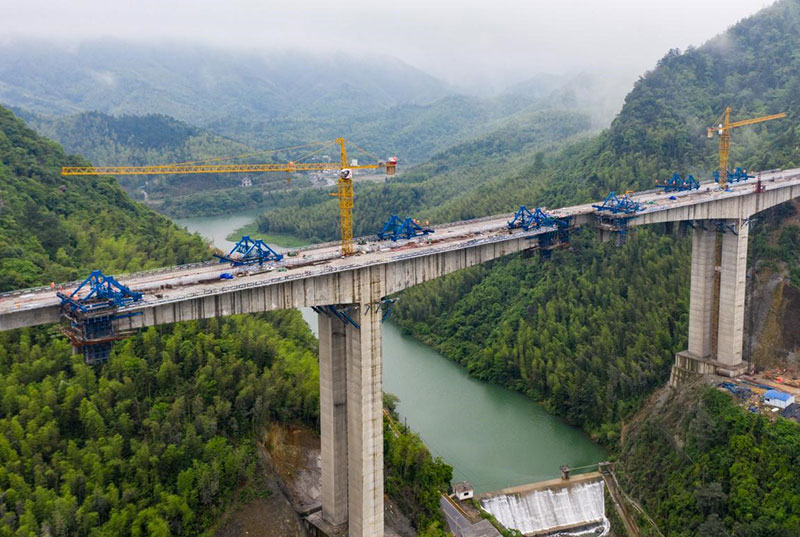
(563, 509)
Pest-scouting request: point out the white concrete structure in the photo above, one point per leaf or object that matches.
(463, 490)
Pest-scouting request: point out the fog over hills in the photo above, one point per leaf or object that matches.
(202, 85)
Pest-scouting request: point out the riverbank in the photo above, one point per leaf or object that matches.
(224, 232)
(216, 229)
(273, 239)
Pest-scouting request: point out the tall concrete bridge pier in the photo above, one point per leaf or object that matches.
(716, 301)
(351, 417)
(347, 293)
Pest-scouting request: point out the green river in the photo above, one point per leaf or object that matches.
(492, 436)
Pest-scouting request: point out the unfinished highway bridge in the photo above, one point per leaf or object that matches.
(349, 294)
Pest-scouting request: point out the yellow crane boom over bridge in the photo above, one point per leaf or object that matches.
(344, 184)
(723, 129)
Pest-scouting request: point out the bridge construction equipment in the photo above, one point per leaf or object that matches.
(91, 319)
(677, 184)
(614, 215)
(723, 129)
(528, 220)
(344, 185)
(396, 229)
(735, 176)
(249, 252)
(559, 237)
(618, 205)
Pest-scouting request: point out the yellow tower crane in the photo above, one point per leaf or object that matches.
(723, 129)
(344, 191)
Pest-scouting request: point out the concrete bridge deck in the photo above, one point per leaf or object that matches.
(486, 238)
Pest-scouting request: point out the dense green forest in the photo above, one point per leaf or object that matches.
(705, 467)
(55, 228)
(156, 441)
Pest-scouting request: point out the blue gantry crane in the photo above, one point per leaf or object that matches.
(614, 213)
(90, 318)
(618, 204)
(734, 176)
(249, 252)
(678, 184)
(396, 229)
(537, 219)
(522, 218)
(526, 219)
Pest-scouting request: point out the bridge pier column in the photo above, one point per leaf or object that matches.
(365, 423)
(733, 274)
(726, 300)
(701, 299)
(333, 418)
(698, 358)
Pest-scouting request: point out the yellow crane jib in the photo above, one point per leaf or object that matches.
(723, 129)
(344, 184)
(198, 168)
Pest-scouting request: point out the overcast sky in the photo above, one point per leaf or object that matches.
(468, 42)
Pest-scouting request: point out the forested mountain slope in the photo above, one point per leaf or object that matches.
(130, 140)
(595, 364)
(702, 466)
(54, 228)
(753, 68)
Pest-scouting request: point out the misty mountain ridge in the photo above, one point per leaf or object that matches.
(200, 85)
(130, 140)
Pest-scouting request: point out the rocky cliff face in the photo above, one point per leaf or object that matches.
(772, 322)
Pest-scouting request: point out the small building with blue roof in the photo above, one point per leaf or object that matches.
(778, 399)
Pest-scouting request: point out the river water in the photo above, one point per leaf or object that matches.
(216, 228)
(492, 436)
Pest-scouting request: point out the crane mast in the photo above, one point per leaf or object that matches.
(724, 132)
(344, 191)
